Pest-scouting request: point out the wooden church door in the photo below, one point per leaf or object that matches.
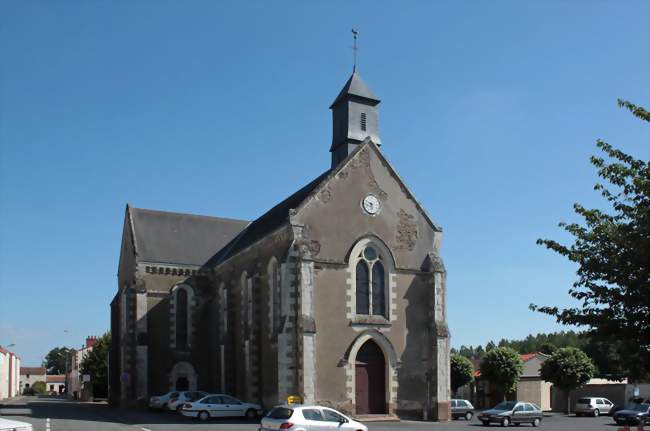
(370, 380)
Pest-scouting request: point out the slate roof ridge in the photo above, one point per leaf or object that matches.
(175, 213)
(248, 237)
(168, 237)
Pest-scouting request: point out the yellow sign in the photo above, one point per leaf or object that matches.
(293, 399)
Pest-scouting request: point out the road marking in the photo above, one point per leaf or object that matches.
(145, 429)
(47, 424)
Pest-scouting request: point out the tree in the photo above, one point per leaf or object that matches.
(547, 348)
(95, 364)
(55, 360)
(461, 373)
(502, 367)
(611, 250)
(568, 368)
(39, 387)
(490, 346)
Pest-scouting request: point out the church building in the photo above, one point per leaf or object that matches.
(336, 294)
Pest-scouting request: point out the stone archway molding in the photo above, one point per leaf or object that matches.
(392, 364)
(183, 369)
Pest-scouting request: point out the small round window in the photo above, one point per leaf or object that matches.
(370, 253)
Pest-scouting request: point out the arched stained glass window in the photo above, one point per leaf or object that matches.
(363, 288)
(378, 289)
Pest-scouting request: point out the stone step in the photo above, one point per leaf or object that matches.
(376, 418)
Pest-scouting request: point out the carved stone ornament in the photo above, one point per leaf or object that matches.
(407, 231)
(325, 195)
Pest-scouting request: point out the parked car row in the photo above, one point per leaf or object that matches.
(295, 417)
(516, 412)
(201, 405)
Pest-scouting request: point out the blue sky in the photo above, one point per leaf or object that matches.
(490, 110)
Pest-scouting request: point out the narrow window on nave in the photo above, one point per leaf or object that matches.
(276, 298)
(363, 288)
(181, 318)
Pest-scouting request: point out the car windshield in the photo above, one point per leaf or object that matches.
(506, 405)
(280, 413)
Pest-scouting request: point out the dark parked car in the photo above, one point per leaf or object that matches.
(462, 409)
(512, 412)
(633, 414)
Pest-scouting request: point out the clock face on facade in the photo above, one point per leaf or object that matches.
(371, 204)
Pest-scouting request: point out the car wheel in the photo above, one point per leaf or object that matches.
(204, 416)
(163, 407)
(251, 414)
(468, 416)
(179, 408)
(505, 422)
(536, 422)
(486, 423)
(596, 413)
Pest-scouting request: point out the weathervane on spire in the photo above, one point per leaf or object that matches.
(355, 34)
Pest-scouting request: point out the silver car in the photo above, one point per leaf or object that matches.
(512, 412)
(160, 401)
(308, 418)
(220, 405)
(593, 406)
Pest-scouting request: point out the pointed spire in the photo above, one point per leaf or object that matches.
(355, 117)
(355, 87)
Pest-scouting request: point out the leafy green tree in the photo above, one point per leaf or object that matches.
(502, 367)
(568, 368)
(95, 364)
(55, 360)
(462, 372)
(39, 387)
(605, 356)
(547, 348)
(490, 346)
(611, 250)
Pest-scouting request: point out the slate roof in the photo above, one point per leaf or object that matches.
(267, 223)
(355, 87)
(175, 238)
(37, 371)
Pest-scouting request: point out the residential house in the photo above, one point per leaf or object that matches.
(55, 384)
(31, 375)
(79, 389)
(9, 374)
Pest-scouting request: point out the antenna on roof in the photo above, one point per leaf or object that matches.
(355, 34)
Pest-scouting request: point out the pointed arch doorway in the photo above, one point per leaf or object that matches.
(370, 379)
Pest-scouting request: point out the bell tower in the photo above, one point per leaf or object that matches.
(355, 117)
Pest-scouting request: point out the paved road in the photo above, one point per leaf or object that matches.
(54, 414)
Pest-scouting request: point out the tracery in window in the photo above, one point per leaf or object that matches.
(370, 283)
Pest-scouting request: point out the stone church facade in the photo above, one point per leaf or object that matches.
(337, 294)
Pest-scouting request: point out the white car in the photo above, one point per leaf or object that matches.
(160, 401)
(308, 418)
(175, 404)
(593, 406)
(220, 406)
(11, 425)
